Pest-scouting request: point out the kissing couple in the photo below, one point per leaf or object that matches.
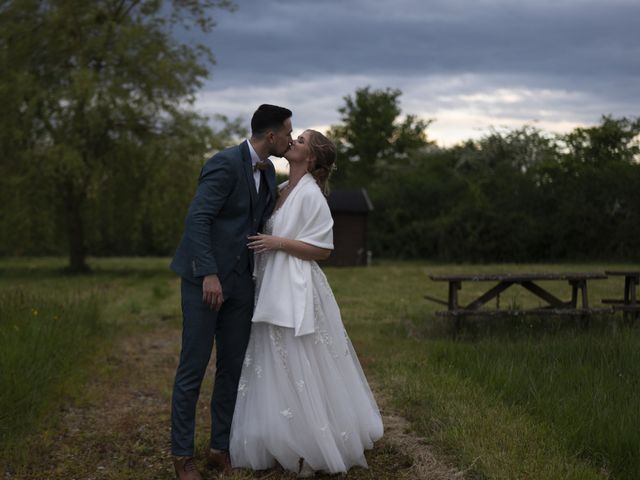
(289, 388)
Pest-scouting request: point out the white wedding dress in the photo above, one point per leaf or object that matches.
(303, 397)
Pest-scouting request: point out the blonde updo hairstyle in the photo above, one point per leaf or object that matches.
(324, 154)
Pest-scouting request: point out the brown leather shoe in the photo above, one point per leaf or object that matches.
(219, 460)
(186, 468)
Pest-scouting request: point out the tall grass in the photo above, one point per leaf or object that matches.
(54, 328)
(585, 385)
(43, 343)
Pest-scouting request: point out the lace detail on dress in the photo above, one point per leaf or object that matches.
(322, 335)
(287, 414)
(242, 387)
(275, 334)
(259, 260)
(268, 226)
(321, 278)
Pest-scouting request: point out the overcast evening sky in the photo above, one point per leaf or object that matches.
(468, 64)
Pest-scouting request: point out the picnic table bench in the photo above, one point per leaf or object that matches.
(531, 282)
(629, 301)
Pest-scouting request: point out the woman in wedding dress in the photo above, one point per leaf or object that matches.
(303, 400)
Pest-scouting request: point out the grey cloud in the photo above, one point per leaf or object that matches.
(421, 37)
(302, 51)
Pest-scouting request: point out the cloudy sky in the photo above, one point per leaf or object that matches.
(468, 64)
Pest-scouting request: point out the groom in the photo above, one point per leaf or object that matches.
(236, 193)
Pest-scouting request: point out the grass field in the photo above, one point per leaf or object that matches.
(524, 398)
(504, 399)
(55, 329)
(41, 338)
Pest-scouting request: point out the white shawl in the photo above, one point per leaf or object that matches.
(285, 291)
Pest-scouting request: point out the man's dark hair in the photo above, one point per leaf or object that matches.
(268, 117)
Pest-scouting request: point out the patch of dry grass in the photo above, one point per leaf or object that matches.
(119, 429)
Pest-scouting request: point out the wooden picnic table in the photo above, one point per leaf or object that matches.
(629, 301)
(531, 282)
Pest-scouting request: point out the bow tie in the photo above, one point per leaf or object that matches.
(260, 166)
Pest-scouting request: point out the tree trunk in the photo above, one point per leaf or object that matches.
(75, 231)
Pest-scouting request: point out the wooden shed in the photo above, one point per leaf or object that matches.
(349, 209)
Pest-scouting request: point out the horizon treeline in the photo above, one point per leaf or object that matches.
(516, 196)
(512, 196)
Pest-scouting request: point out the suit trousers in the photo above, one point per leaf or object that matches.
(229, 328)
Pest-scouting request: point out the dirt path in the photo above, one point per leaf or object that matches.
(121, 429)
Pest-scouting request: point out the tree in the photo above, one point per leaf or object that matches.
(615, 140)
(596, 185)
(90, 89)
(371, 138)
(517, 195)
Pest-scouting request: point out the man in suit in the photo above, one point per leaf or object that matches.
(235, 195)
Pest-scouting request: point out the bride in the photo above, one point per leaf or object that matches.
(303, 400)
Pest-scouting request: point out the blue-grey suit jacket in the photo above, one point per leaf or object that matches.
(222, 214)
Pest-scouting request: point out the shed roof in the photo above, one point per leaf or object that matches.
(350, 201)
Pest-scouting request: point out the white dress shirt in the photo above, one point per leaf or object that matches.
(254, 159)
